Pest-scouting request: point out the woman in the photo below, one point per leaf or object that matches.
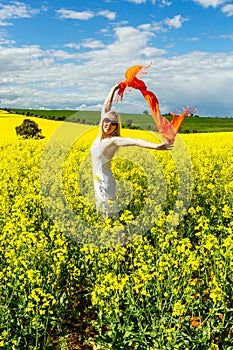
(104, 149)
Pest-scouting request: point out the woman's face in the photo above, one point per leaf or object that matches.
(109, 126)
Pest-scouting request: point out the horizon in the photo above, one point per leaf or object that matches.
(195, 115)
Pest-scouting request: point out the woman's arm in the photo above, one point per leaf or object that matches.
(122, 141)
(109, 146)
(108, 101)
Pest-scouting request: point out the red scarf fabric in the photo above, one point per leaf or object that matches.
(168, 130)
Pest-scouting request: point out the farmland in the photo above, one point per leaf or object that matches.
(196, 124)
(158, 277)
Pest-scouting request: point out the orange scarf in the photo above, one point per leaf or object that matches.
(167, 129)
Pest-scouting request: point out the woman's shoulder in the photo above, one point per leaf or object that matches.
(96, 141)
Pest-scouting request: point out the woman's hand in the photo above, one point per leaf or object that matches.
(117, 86)
(164, 146)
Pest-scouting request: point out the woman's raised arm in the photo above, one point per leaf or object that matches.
(108, 101)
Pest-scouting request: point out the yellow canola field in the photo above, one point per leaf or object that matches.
(167, 286)
(10, 120)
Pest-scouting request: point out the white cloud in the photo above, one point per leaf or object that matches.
(15, 10)
(137, 1)
(165, 3)
(130, 40)
(85, 15)
(70, 14)
(213, 3)
(152, 52)
(226, 36)
(4, 41)
(108, 14)
(89, 43)
(92, 43)
(228, 10)
(4, 38)
(146, 26)
(154, 27)
(176, 21)
(73, 46)
(4, 24)
(60, 55)
(84, 107)
(190, 39)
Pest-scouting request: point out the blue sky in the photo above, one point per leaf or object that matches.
(67, 54)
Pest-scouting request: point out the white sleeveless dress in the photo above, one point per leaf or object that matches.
(104, 183)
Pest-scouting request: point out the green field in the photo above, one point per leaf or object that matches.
(192, 124)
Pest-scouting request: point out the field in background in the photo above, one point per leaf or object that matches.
(8, 122)
(196, 124)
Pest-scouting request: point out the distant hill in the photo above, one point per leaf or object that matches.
(142, 121)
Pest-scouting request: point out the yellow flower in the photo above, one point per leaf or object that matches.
(178, 309)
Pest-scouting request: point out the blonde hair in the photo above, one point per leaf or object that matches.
(114, 117)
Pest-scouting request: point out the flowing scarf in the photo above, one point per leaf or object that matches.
(167, 129)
